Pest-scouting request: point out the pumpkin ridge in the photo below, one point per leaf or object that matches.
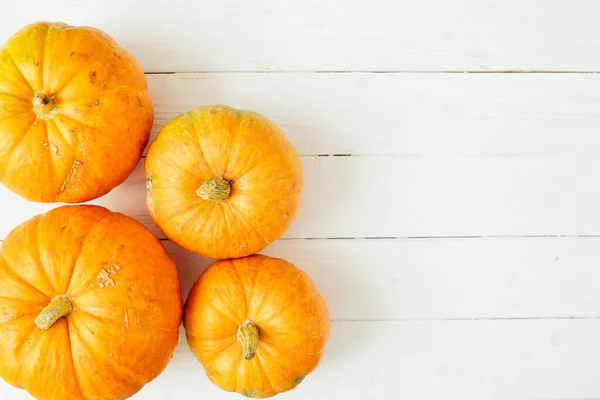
(15, 97)
(40, 265)
(75, 76)
(74, 296)
(232, 141)
(18, 143)
(119, 322)
(12, 60)
(208, 360)
(225, 317)
(91, 349)
(233, 209)
(201, 156)
(28, 315)
(262, 369)
(60, 131)
(241, 283)
(22, 350)
(263, 298)
(78, 384)
(19, 278)
(43, 60)
(250, 292)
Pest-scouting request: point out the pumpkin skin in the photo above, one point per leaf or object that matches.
(223, 182)
(125, 300)
(75, 114)
(289, 318)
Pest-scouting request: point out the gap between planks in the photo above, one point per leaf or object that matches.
(371, 72)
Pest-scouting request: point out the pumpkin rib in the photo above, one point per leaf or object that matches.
(29, 314)
(40, 265)
(15, 97)
(44, 51)
(14, 275)
(262, 369)
(201, 155)
(75, 295)
(251, 291)
(207, 360)
(33, 330)
(76, 75)
(64, 137)
(120, 321)
(221, 313)
(232, 142)
(12, 60)
(52, 164)
(90, 348)
(263, 298)
(17, 144)
(20, 141)
(241, 283)
(70, 329)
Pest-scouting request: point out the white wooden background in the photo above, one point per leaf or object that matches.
(451, 215)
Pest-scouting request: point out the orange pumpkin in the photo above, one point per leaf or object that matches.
(223, 182)
(257, 324)
(75, 114)
(90, 305)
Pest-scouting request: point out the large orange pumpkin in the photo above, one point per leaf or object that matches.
(257, 324)
(223, 182)
(90, 305)
(75, 114)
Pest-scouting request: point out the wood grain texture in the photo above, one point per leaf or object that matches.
(355, 197)
(334, 35)
(404, 114)
(419, 239)
(492, 360)
(495, 278)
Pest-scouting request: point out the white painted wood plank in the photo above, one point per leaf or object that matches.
(440, 278)
(377, 35)
(470, 360)
(404, 114)
(412, 197)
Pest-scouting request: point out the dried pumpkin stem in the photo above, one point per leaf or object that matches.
(44, 105)
(215, 189)
(59, 307)
(248, 334)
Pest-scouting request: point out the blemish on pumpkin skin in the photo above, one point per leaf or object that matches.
(299, 380)
(252, 393)
(76, 164)
(126, 318)
(92, 76)
(149, 189)
(104, 277)
(54, 150)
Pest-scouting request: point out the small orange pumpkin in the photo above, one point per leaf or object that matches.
(90, 305)
(257, 324)
(223, 182)
(75, 114)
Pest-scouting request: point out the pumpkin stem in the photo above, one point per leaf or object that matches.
(215, 189)
(44, 105)
(248, 334)
(59, 307)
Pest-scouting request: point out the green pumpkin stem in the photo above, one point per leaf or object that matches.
(248, 334)
(215, 189)
(59, 307)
